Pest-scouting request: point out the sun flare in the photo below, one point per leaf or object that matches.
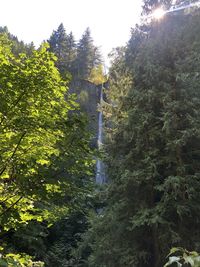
(158, 13)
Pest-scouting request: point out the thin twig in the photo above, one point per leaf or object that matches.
(14, 152)
(11, 206)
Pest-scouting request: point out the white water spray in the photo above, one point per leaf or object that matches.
(100, 174)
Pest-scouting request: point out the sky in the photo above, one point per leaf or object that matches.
(110, 21)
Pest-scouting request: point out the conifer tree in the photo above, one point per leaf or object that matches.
(17, 46)
(59, 45)
(150, 5)
(153, 148)
(88, 55)
(71, 53)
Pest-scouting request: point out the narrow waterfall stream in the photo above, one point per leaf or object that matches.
(100, 170)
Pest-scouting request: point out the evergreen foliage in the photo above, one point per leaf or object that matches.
(88, 55)
(150, 5)
(63, 47)
(152, 147)
(17, 46)
(78, 59)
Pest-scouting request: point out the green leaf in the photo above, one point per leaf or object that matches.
(3, 263)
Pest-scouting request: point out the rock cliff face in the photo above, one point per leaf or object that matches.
(88, 95)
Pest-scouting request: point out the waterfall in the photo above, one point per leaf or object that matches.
(100, 171)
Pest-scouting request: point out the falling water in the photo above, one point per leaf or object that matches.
(100, 171)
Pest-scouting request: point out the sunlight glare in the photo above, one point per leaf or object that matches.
(158, 13)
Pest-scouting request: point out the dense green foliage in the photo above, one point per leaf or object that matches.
(97, 75)
(150, 5)
(50, 214)
(182, 258)
(76, 58)
(87, 55)
(17, 46)
(152, 147)
(45, 161)
(64, 47)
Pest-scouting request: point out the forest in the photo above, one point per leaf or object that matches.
(53, 211)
